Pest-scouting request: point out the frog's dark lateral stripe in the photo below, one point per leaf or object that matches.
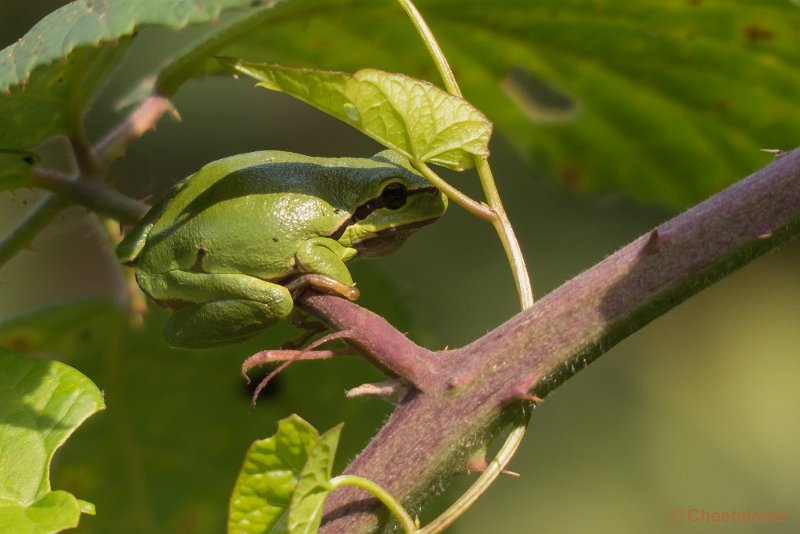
(364, 210)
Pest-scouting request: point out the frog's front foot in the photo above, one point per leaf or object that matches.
(286, 356)
(324, 284)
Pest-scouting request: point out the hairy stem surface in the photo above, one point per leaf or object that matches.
(466, 396)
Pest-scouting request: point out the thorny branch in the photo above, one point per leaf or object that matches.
(89, 186)
(461, 399)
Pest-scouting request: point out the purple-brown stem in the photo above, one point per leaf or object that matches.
(380, 342)
(465, 397)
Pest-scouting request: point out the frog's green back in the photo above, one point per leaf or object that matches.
(341, 182)
(133, 242)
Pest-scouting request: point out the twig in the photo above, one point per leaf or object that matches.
(140, 120)
(378, 341)
(95, 195)
(473, 392)
(45, 209)
(87, 189)
(87, 166)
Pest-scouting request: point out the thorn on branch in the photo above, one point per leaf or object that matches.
(653, 243)
(460, 380)
(521, 392)
(776, 152)
(765, 235)
(533, 399)
(140, 120)
(391, 391)
(478, 464)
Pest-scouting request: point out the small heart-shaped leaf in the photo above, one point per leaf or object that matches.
(268, 478)
(305, 511)
(413, 117)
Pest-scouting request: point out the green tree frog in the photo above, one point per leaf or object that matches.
(227, 247)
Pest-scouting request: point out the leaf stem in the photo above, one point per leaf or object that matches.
(433, 47)
(516, 260)
(45, 209)
(486, 479)
(496, 213)
(505, 231)
(400, 513)
(83, 154)
(478, 209)
(179, 70)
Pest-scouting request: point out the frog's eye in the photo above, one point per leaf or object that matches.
(394, 196)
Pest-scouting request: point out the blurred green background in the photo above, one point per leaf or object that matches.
(699, 410)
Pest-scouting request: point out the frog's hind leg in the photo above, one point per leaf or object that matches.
(216, 323)
(220, 309)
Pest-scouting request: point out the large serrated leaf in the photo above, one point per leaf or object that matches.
(42, 402)
(413, 117)
(48, 77)
(665, 101)
(87, 23)
(268, 478)
(670, 101)
(15, 168)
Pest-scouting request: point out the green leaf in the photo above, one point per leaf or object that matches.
(667, 102)
(52, 100)
(268, 478)
(288, 472)
(15, 168)
(167, 451)
(42, 402)
(305, 511)
(413, 117)
(55, 511)
(50, 75)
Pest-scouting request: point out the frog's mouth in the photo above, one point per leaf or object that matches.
(388, 240)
